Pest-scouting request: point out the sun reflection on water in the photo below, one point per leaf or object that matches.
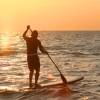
(4, 41)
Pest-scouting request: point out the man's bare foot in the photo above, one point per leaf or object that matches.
(30, 85)
(37, 86)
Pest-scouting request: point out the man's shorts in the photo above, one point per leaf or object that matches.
(33, 62)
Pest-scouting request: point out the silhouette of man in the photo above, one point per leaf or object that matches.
(32, 57)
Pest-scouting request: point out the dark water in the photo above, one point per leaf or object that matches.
(76, 53)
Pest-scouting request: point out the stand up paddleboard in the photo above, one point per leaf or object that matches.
(71, 80)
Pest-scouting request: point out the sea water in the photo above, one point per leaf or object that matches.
(77, 53)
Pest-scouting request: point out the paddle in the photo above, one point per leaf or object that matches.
(62, 76)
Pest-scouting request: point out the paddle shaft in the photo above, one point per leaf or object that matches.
(54, 64)
(62, 76)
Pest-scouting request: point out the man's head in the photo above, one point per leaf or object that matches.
(34, 34)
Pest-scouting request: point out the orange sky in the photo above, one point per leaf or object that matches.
(49, 14)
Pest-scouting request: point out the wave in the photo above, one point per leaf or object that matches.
(97, 54)
(78, 53)
(51, 93)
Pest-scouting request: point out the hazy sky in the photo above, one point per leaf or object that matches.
(50, 14)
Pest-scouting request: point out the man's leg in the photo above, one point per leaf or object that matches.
(30, 60)
(30, 77)
(36, 76)
(37, 69)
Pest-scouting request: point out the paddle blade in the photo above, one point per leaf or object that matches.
(63, 79)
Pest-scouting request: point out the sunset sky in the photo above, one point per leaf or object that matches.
(49, 14)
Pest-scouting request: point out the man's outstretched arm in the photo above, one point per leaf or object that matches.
(42, 49)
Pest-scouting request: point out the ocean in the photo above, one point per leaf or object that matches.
(77, 53)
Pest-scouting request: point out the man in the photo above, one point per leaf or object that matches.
(32, 57)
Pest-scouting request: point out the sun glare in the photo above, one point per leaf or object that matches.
(4, 41)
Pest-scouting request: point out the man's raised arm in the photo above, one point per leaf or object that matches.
(24, 34)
